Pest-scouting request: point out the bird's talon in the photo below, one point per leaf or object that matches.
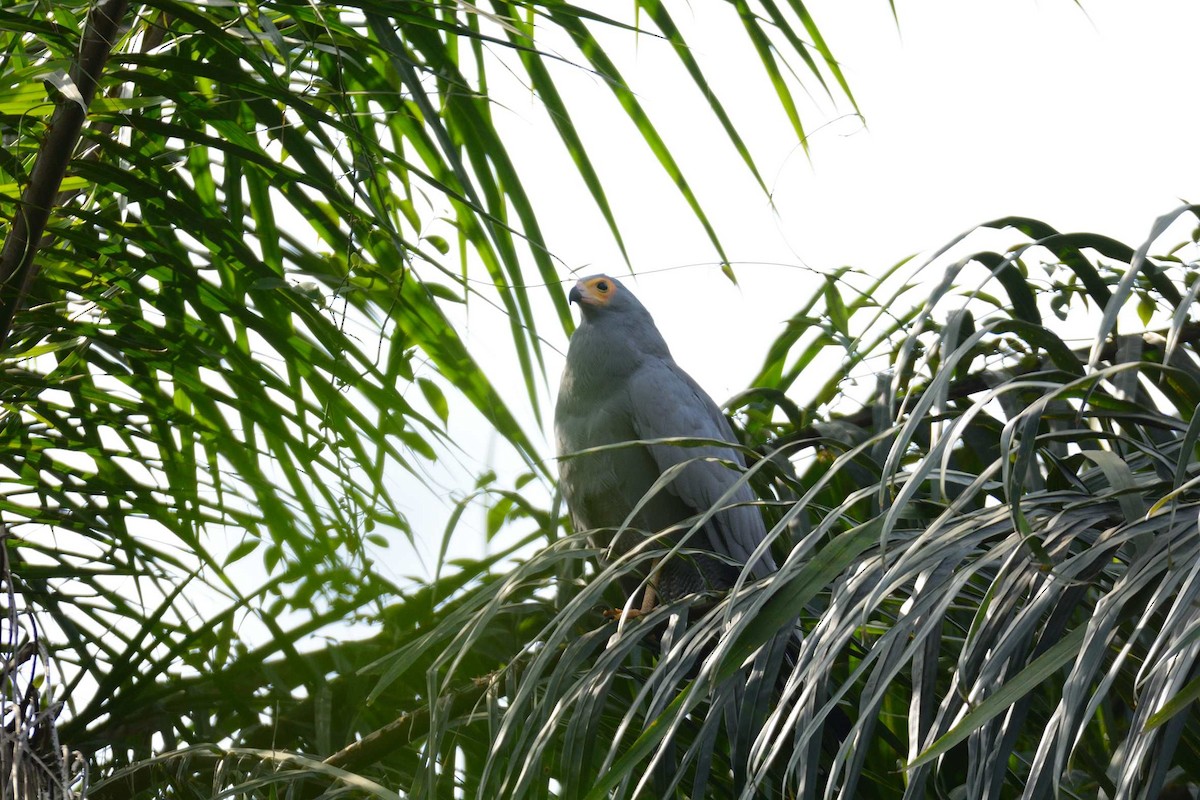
(620, 613)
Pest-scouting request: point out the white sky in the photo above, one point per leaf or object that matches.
(1088, 119)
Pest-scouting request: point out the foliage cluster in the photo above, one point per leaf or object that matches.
(227, 292)
(993, 562)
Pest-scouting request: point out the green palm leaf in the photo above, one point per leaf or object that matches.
(226, 262)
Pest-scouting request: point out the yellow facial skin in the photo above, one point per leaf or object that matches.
(597, 291)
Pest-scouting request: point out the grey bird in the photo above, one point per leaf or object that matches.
(621, 384)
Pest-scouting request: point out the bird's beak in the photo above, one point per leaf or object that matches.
(576, 295)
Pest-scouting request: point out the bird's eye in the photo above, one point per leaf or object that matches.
(602, 287)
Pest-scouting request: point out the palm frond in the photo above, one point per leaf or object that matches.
(988, 570)
(226, 319)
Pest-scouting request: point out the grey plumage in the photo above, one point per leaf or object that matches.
(620, 385)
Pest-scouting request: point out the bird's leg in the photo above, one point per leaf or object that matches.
(618, 614)
(649, 601)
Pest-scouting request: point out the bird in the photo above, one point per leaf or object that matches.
(620, 385)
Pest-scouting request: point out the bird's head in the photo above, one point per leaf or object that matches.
(599, 294)
(614, 321)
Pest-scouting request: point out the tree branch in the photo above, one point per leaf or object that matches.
(33, 211)
(400, 733)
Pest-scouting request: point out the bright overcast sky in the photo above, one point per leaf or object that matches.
(1084, 117)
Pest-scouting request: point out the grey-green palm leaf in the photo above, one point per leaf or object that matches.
(992, 560)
